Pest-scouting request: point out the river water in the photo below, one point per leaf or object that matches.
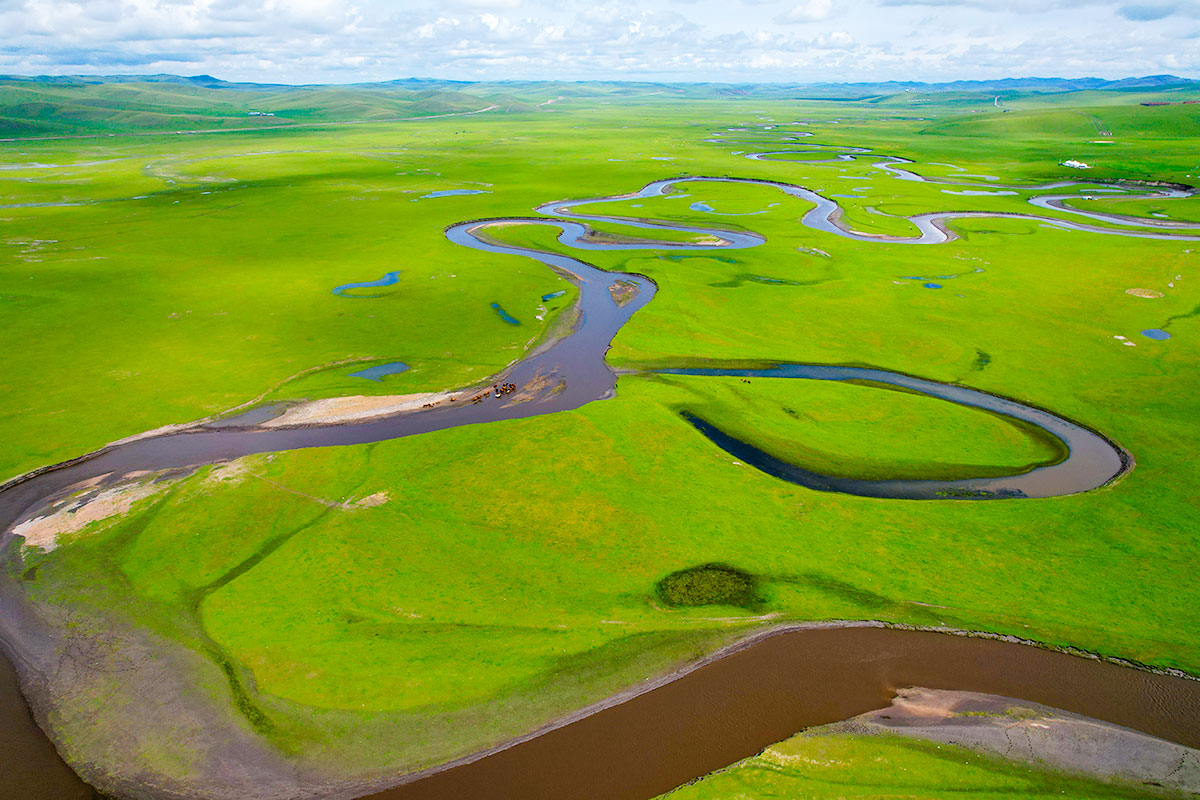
(736, 706)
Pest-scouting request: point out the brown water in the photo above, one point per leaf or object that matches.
(30, 767)
(734, 707)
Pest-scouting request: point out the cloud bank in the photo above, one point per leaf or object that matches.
(340, 41)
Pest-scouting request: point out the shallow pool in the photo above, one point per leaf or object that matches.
(504, 315)
(386, 280)
(379, 372)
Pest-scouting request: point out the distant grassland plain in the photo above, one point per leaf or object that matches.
(504, 575)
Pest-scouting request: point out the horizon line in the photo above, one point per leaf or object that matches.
(684, 82)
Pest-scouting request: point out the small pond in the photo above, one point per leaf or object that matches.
(504, 315)
(379, 372)
(386, 280)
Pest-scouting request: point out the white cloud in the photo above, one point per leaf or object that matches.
(808, 11)
(730, 40)
(837, 40)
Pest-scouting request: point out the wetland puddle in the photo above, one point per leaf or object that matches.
(380, 372)
(387, 280)
(504, 315)
(452, 193)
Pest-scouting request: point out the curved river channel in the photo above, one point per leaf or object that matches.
(743, 700)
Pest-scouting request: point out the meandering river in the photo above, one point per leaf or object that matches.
(743, 700)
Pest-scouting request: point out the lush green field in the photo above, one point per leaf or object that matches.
(510, 576)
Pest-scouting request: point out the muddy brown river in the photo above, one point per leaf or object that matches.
(738, 705)
(30, 767)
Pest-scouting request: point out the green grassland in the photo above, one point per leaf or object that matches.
(844, 766)
(511, 575)
(848, 430)
(31, 109)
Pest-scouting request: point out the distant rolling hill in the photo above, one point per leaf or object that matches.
(90, 105)
(34, 108)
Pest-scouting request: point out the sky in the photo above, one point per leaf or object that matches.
(811, 41)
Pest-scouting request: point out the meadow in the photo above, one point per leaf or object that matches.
(501, 576)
